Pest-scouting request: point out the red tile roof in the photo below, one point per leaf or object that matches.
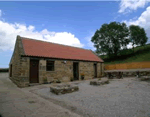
(53, 50)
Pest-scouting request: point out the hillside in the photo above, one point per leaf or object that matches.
(141, 53)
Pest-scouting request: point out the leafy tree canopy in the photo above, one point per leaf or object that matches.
(137, 35)
(110, 38)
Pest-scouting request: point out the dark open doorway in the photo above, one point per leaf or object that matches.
(34, 71)
(76, 70)
(95, 70)
(10, 72)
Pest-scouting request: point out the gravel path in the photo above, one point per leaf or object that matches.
(19, 102)
(126, 97)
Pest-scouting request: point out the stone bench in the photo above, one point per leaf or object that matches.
(63, 89)
(102, 82)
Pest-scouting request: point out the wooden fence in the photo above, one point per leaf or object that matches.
(134, 65)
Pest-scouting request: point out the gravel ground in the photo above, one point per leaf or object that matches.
(126, 97)
(19, 102)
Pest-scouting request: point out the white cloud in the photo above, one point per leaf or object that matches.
(8, 33)
(31, 28)
(128, 5)
(143, 21)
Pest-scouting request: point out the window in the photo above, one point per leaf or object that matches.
(50, 66)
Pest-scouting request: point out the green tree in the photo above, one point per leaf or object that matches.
(137, 36)
(110, 38)
(143, 37)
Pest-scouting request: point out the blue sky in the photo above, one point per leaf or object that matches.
(70, 23)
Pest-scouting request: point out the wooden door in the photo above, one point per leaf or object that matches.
(76, 71)
(95, 70)
(34, 71)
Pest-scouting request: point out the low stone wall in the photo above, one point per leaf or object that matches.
(63, 89)
(144, 78)
(128, 74)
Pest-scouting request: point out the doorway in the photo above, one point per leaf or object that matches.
(95, 70)
(34, 71)
(10, 72)
(76, 70)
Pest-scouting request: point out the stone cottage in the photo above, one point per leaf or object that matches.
(33, 61)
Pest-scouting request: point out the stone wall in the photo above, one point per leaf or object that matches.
(130, 74)
(88, 69)
(16, 63)
(64, 71)
(103, 69)
(61, 71)
(24, 71)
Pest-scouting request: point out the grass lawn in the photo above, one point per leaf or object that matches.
(141, 54)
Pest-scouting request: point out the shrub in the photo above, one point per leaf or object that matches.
(99, 79)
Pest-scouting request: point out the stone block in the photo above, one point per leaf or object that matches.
(145, 78)
(65, 79)
(63, 89)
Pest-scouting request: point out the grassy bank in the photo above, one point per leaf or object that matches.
(140, 54)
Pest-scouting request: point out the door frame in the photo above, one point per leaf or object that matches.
(77, 63)
(95, 70)
(30, 70)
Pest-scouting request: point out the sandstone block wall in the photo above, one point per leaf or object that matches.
(64, 71)
(24, 71)
(16, 62)
(88, 69)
